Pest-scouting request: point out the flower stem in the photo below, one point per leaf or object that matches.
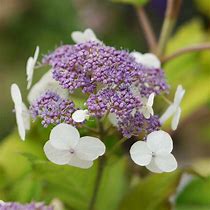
(147, 28)
(99, 176)
(193, 48)
(101, 165)
(166, 100)
(171, 14)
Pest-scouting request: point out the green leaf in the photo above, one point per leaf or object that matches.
(196, 196)
(190, 69)
(133, 2)
(74, 186)
(152, 192)
(25, 171)
(11, 158)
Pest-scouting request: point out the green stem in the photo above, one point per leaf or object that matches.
(168, 26)
(147, 28)
(166, 100)
(171, 15)
(101, 166)
(99, 176)
(193, 48)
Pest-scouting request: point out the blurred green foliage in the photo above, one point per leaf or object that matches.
(196, 196)
(36, 179)
(192, 69)
(203, 6)
(133, 2)
(152, 193)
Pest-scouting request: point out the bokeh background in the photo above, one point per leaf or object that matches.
(48, 23)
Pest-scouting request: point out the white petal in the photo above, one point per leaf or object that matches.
(151, 111)
(44, 84)
(179, 95)
(80, 115)
(175, 120)
(60, 157)
(113, 119)
(90, 35)
(29, 71)
(166, 163)
(78, 37)
(140, 153)
(135, 90)
(16, 95)
(75, 161)
(151, 99)
(89, 148)
(153, 167)
(26, 117)
(168, 113)
(137, 56)
(17, 99)
(36, 54)
(160, 142)
(151, 60)
(148, 59)
(146, 112)
(31, 62)
(20, 125)
(81, 37)
(64, 136)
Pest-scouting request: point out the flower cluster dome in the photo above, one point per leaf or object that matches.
(115, 86)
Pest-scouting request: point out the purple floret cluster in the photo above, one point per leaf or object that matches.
(52, 109)
(18, 206)
(107, 76)
(133, 125)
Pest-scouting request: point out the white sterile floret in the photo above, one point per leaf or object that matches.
(66, 147)
(44, 84)
(80, 115)
(174, 110)
(147, 59)
(155, 153)
(113, 119)
(82, 37)
(21, 111)
(31, 62)
(147, 109)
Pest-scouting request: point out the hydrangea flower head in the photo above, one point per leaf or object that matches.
(107, 76)
(111, 83)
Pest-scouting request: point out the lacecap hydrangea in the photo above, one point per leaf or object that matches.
(112, 81)
(114, 86)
